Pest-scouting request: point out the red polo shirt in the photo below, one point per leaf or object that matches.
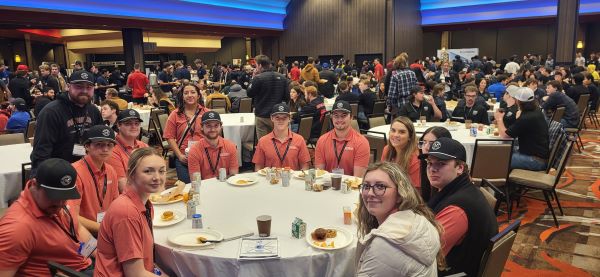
(29, 239)
(356, 152)
(124, 235)
(176, 124)
(297, 155)
(138, 82)
(198, 160)
(120, 156)
(413, 170)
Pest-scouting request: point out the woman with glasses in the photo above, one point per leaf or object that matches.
(398, 234)
(402, 149)
(429, 136)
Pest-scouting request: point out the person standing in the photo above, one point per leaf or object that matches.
(60, 125)
(267, 89)
(295, 72)
(47, 79)
(379, 72)
(138, 82)
(327, 88)
(19, 85)
(310, 72)
(400, 84)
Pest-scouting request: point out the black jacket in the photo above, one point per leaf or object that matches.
(56, 134)
(316, 109)
(477, 113)
(327, 89)
(267, 89)
(19, 88)
(50, 81)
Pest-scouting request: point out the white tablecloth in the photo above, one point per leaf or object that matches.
(10, 170)
(233, 211)
(145, 116)
(459, 133)
(329, 103)
(237, 131)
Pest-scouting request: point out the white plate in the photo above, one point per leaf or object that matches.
(233, 180)
(320, 174)
(168, 202)
(189, 238)
(158, 222)
(343, 239)
(262, 171)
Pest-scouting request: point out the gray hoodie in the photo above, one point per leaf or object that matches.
(236, 92)
(406, 244)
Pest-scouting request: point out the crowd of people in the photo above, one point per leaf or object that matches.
(419, 213)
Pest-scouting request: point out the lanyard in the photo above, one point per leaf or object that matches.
(338, 157)
(124, 149)
(71, 232)
(284, 153)
(100, 199)
(149, 221)
(468, 112)
(214, 169)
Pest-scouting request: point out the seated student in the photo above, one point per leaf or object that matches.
(342, 149)
(217, 94)
(39, 226)
(297, 101)
(212, 152)
(467, 219)
(43, 100)
(539, 93)
(128, 123)
(97, 181)
(578, 89)
(109, 111)
(282, 147)
(402, 149)
(160, 100)
(439, 99)
(4, 115)
(429, 136)
(511, 108)
(467, 109)
(19, 117)
(366, 99)
(418, 106)
(236, 93)
(345, 93)
(314, 108)
(531, 129)
(556, 98)
(113, 95)
(126, 240)
(398, 234)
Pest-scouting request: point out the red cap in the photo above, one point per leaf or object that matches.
(22, 67)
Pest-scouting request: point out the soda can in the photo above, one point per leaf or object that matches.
(473, 131)
(222, 174)
(285, 178)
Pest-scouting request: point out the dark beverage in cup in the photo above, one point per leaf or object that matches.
(264, 225)
(336, 181)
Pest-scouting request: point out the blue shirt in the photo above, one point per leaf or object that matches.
(18, 121)
(497, 90)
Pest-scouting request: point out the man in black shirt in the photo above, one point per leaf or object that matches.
(531, 129)
(19, 86)
(345, 94)
(467, 109)
(327, 88)
(578, 89)
(556, 98)
(47, 79)
(511, 108)
(165, 77)
(101, 85)
(200, 70)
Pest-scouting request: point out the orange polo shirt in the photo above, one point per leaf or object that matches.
(29, 239)
(297, 155)
(120, 156)
(356, 152)
(124, 235)
(414, 167)
(176, 124)
(199, 162)
(89, 204)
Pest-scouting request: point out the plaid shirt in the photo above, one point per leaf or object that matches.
(402, 81)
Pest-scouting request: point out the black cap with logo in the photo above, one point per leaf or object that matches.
(211, 116)
(342, 106)
(57, 177)
(280, 108)
(447, 149)
(80, 76)
(128, 114)
(99, 133)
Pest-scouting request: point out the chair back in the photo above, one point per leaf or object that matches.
(379, 107)
(304, 127)
(25, 174)
(154, 112)
(495, 256)
(218, 103)
(8, 139)
(30, 130)
(162, 121)
(583, 113)
(489, 197)
(245, 105)
(496, 168)
(219, 110)
(354, 109)
(557, 143)
(582, 103)
(563, 158)
(376, 120)
(57, 269)
(377, 141)
(558, 114)
(326, 126)
(354, 125)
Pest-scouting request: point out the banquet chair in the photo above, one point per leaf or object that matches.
(60, 270)
(216, 104)
(495, 170)
(219, 110)
(354, 109)
(8, 139)
(25, 174)
(245, 105)
(162, 122)
(379, 107)
(376, 120)
(495, 256)
(154, 112)
(377, 141)
(593, 116)
(354, 125)
(325, 127)
(491, 196)
(582, 103)
(527, 180)
(304, 127)
(558, 114)
(372, 155)
(164, 144)
(29, 130)
(575, 131)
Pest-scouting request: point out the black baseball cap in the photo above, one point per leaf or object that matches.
(280, 108)
(447, 149)
(128, 114)
(211, 116)
(80, 76)
(57, 177)
(99, 133)
(19, 104)
(342, 106)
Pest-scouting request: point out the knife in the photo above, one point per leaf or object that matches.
(231, 238)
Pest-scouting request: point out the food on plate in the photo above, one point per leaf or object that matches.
(317, 187)
(319, 173)
(324, 244)
(319, 234)
(175, 194)
(167, 216)
(331, 233)
(242, 181)
(353, 182)
(201, 240)
(274, 181)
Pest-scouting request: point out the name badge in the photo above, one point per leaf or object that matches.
(78, 150)
(224, 154)
(87, 248)
(100, 216)
(349, 148)
(292, 147)
(191, 143)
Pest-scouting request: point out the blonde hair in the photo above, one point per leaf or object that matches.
(409, 200)
(310, 90)
(403, 158)
(136, 157)
(401, 61)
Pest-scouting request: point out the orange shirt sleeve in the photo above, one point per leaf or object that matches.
(362, 150)
(455, 223)
(303, 155)
(171, 128)
(414, 171)
(320, 152)
(384, 153)
(16, 243)
(233, 160)
(259, 153)
(127, 239)
(116, 162)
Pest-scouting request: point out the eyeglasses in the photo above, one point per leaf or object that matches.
(422, 143)
(378, 189)
(470, 96)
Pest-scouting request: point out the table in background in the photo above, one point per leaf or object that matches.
(237, 131)
(10, 170)
(458, 132)
(233, 211)
(329, 102)
(144, 115)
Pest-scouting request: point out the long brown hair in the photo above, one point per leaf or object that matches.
(409, 200)
(403, 158)
(181, 102)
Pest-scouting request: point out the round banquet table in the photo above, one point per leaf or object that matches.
(10, 170)
(458, 132)
(233, 210)
(237, 131)
(144, 115)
